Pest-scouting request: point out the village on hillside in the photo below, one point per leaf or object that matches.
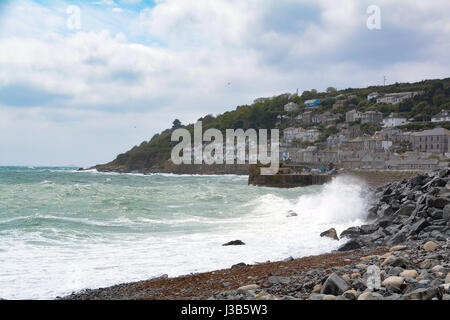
(360, 140)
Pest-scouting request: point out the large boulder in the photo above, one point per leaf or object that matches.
(422, 294)
(385, 211)
(369, 228)
(406, 210)
(418, 226)
(335, 285)
(350, 245)
(397, 238)
(409, 274)
(418, 180)
(430, 246)
(351, 232)
(394, 281)
(394, 261)
(331, 233)
(440, 203)
(234, 243)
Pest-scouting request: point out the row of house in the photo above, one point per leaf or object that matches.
(309, 117)
(361, 160)
(363, 153)
(375, 117)
(443, 116)
(393, 98)
(365, 117)
(291, 135)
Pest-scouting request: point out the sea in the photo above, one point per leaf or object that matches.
(62, 231)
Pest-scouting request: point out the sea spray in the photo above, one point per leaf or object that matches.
(85, 233)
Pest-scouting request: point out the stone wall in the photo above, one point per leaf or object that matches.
(379, 178)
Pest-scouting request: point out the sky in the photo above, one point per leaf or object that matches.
(82, 81)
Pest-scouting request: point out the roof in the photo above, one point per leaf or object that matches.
(413, 161)
(432, 132)
(443, 113)
(395, 116)
(311, 101)
(399, 94)
(372, 112)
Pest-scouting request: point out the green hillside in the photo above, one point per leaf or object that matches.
(153, 154)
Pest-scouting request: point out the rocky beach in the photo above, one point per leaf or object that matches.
(402, 253)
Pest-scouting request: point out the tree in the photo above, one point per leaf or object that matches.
(331, 89)
(176, 124)
(405, 106)
(313, 91)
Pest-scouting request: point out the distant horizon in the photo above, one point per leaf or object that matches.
(82, 82)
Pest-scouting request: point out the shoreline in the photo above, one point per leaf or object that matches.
(407, 242)
(202, 286)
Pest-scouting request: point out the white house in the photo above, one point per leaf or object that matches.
(291, 106)
(373, 95)
(397, 97)
(394, 120)
(352, 116)
(291, 134)
(443, 116)
(312, 135)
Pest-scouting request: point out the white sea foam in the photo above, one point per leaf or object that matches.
(44, 264)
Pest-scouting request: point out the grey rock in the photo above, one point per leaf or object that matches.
(418, 226)
(441, 202)
(291, 214)
(330, 233)
(242, 264)
(385, 211)
(385, 222)
(394, 261)
(234, 243)
(359, 284)
(350, 245)
(446, 213)
(399, 237)
(395, 271)
(422, 294)
(351, 232)
(369, 228)
(276, 280)
(406, 210)
(335, 285)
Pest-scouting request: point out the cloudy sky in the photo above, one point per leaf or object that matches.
(80, 93)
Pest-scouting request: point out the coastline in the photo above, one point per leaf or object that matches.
(407, 240)
(202, 286)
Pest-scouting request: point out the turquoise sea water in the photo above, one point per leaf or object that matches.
(63, 231)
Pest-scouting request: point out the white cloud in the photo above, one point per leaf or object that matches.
(176, 60)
